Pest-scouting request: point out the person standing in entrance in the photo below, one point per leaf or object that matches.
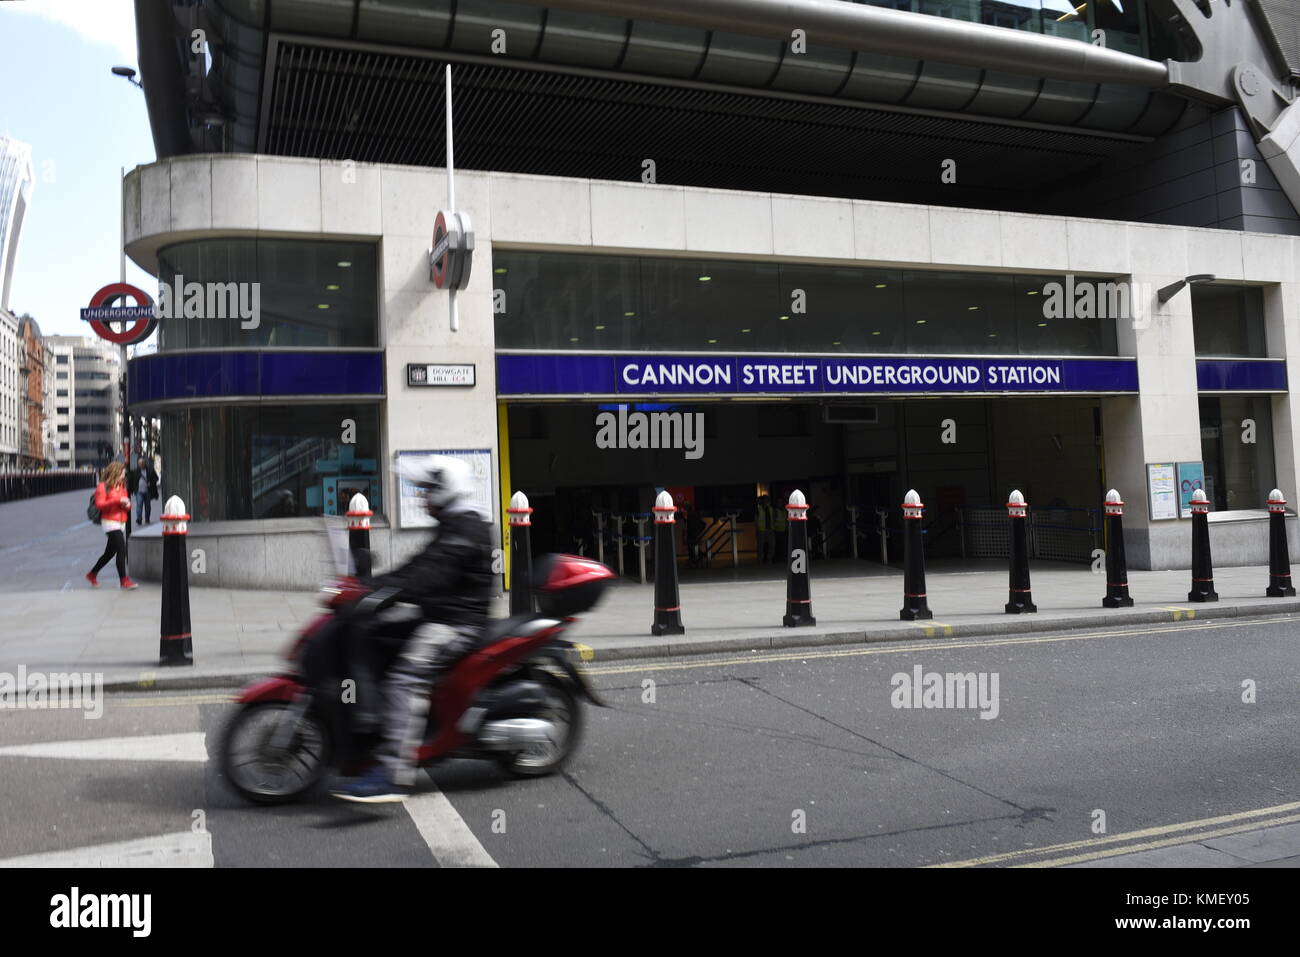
(114, 504)
(780, 527)
(763, 526)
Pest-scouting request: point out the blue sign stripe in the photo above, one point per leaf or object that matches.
(728, 375)
(1234, 375)
(211, 375)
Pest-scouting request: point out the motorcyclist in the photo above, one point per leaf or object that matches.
(452, 582)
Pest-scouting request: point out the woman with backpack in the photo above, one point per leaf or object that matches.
(114, 504)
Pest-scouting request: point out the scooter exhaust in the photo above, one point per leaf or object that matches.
(512, 734)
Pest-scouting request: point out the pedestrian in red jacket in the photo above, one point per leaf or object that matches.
(114, 504)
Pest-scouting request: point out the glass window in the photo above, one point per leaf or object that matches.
(1228, 320)
(593, 303)
(309, 294)
(1239, 472)
(248, 462)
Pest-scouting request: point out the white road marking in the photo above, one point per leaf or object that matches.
(149, 747)
(183, 849)
(449, 838)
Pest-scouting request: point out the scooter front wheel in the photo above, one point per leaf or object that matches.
(263, 773)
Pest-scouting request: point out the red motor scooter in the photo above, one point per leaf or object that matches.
(516, 699)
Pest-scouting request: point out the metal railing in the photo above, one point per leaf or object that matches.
(32, 483)
(1061, 534)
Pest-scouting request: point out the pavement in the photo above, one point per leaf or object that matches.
(61, 624)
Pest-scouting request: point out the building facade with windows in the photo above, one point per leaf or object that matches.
(12, 411)
(84, 384)
(991, 254)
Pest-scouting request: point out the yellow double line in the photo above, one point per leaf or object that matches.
(1164, 836)
(911, 647)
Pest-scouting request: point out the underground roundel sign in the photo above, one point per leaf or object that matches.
(137, 322)
(452, 251)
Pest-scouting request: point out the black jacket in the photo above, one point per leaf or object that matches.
(452, 579)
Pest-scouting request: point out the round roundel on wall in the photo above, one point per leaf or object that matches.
(452, 253)
(137, 322)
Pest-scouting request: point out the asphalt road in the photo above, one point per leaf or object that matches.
(756, 760)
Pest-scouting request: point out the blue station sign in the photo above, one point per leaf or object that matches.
(820, 375)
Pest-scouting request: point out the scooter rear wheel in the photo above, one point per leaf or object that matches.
(266, 775)
(564, 711)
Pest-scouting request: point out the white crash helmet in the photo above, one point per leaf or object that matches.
(443, 479)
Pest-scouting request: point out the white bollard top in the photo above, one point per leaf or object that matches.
(358, 505)
(1276, 495)
(911, 498)
(1015, 498)
(174, 506)
(1199, 496)
(1113, 498)
(664, 500)
(519, 501)
(797, 498)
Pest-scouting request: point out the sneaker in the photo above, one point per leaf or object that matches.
(373, 787)
(90, 577)
(127, 584)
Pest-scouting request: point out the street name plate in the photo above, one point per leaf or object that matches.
(440, 374)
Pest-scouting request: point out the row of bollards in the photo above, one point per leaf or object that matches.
(176, 641)
(667, 608)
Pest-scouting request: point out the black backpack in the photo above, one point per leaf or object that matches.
(92, 510)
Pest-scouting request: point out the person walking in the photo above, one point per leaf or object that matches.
(153, 494)
(141, 495)
(114, 504)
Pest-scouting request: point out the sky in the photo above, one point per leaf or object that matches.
(83, 124)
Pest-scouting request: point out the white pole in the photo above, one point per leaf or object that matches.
(451, 195)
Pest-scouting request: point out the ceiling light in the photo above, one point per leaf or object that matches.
(881, 285)
(598, 328)
(573, 339)
(745, 330)
(500, 270)
(920, 322)
(322, 305)
(1042, 325)
(783, 318)
(1032, 292)
(332, 287)
(628, 315)
(972, 308)
(875, 333)
(712, 341)
(344, 264)
(706, 279)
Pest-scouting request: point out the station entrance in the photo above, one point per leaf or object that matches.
(592, 479)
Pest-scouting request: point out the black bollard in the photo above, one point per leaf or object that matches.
(521, 555)
(1202, 564)
(176, 644)
(1117, 595)
(1019, 599)
(798, 588)
(915, 605)
(1279, 559)
(668, 608)
(358, 516)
